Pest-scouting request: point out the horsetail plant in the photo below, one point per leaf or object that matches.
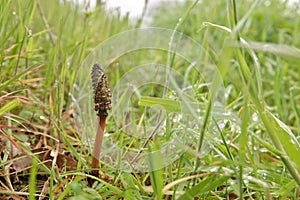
(102, 101)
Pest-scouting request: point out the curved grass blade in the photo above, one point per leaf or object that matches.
(205, 186)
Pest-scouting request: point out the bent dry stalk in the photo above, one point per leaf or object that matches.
(102, 100)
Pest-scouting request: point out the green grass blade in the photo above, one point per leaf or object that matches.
(285, 141)
(131, 191)
(68, 188)
(223, 140)
(243, 145)
(9, 106)
(14, 78)
(205, 186)
(156, 173)
(202, 133)
(32, 179)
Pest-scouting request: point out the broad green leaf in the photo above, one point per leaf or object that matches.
(167, 104)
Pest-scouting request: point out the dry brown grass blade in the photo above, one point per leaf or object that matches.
(14, 143)
(21, 54)
(34, 69)
(9, 48)
(9, 196)
(22, 99)
(31, 80)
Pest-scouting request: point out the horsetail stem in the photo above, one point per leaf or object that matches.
(102, 101)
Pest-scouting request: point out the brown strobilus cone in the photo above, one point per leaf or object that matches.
(102, 100)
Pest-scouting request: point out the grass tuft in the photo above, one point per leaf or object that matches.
(246, 148)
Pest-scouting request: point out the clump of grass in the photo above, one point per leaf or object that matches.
(251, 76)
(42, 46)
(254, 153)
